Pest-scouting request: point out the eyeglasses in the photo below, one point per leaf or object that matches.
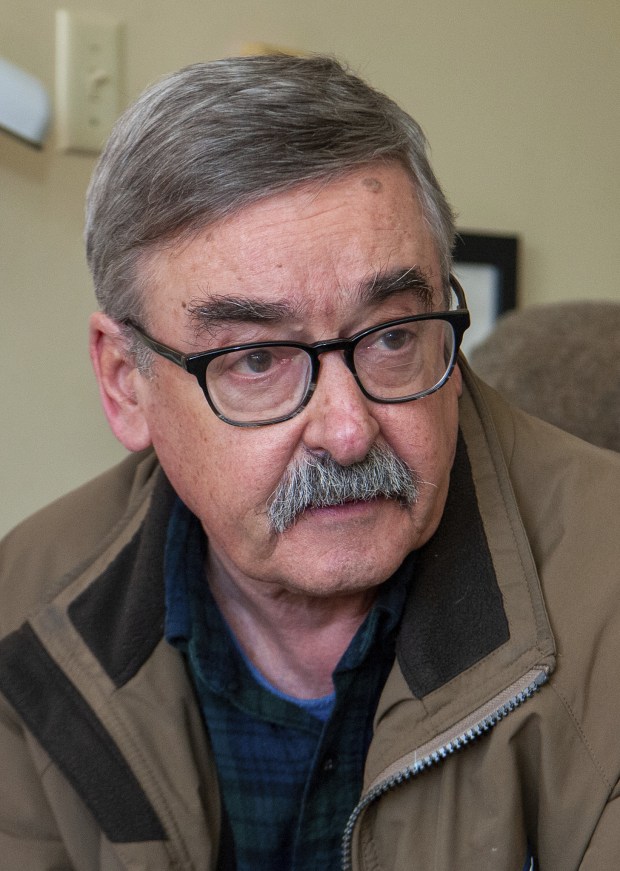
(262, 383)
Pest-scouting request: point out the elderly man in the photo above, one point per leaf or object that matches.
(343, 606)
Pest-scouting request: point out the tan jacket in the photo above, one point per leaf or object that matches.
(497, 730)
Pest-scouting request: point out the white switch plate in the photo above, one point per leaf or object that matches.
(87, 79)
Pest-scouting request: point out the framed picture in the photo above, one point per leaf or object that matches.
(486, 266)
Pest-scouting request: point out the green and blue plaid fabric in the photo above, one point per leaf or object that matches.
(289, 779)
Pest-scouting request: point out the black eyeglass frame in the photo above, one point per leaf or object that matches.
(196, 364)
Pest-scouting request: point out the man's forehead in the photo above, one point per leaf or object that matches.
(353, 241)
(383, 188)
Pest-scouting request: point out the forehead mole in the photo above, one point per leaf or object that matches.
(372, 184)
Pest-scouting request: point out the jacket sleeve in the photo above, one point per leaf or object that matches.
(29, 838)
(604, 847)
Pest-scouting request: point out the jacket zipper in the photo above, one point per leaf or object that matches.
(444, 745)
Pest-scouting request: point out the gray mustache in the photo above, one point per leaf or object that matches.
(320, 482)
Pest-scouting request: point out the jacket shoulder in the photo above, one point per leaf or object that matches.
(40, 556)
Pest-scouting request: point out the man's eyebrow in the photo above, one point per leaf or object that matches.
(212, 312)
(384, 284)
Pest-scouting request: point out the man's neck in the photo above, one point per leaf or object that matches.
(295, 641)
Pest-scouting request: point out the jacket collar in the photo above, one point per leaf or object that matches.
(120, 614)
(455, 614)
(476, 622)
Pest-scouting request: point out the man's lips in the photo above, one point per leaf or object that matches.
(354, 507)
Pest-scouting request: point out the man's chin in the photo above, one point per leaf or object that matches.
(341, 571)
(353, 545)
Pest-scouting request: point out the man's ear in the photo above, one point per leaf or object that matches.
(117, 377)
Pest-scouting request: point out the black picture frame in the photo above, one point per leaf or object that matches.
(486, 264)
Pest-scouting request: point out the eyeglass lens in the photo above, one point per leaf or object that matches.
(392, 363)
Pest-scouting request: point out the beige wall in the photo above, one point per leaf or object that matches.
(519, 100)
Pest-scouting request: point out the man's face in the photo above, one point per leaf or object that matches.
(310, 257)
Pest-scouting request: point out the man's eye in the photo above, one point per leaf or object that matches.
(394, 340)
(257, 361)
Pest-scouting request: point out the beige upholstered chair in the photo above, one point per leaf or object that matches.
(560, 362)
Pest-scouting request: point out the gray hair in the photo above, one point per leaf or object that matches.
(212, 138)
(318, 481)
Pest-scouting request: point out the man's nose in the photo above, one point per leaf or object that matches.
(340, 420)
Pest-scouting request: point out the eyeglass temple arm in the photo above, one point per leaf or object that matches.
(163, 350)
(458, 290)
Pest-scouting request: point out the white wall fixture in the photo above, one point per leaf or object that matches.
(87, 79)
(24, 104)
